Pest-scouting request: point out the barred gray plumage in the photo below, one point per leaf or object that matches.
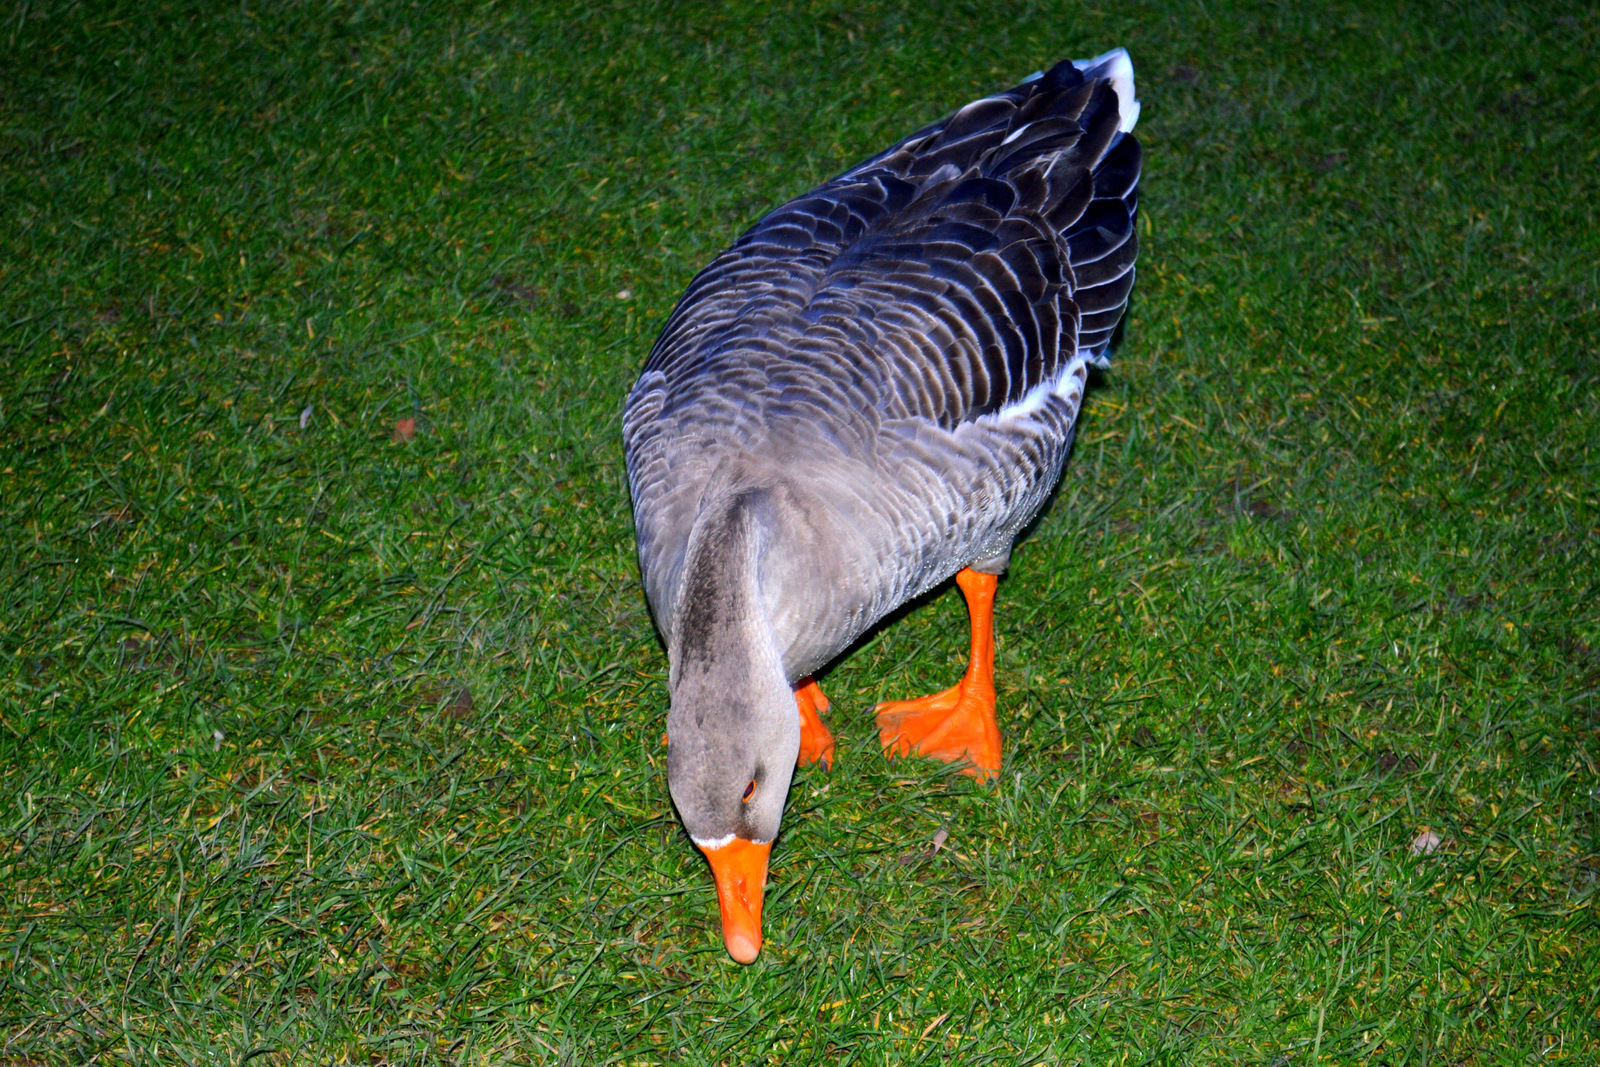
(872, 388)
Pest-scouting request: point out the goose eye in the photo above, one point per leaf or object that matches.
(749, 790)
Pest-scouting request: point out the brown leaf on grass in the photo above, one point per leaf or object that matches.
(1388, 762)
(404, 430)
(460, 705)
(117, 515)
(145, 652)
(939, 838)
(1245, 496)
(1576, 652)
(452, 699)
(1425, 844)
(513, 290)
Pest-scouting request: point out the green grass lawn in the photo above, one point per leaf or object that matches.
(323, 741)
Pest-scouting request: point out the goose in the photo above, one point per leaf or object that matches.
(871, 390)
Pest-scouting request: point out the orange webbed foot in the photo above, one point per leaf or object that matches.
(816, 743)
(959, 723)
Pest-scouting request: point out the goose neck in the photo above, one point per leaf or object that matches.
(720, 616)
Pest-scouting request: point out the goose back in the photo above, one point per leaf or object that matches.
(903, 349)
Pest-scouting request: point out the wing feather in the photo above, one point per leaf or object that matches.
(942, 279)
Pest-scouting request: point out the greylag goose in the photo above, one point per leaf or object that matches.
(871, 390)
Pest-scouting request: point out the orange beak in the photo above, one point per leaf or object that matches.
(740, 868)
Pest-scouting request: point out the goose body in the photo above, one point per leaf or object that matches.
(874, 388)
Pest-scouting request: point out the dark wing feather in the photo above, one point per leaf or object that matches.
(943, 278)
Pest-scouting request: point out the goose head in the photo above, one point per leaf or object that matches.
(733, 732)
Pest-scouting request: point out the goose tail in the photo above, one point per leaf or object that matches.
(1116, 66)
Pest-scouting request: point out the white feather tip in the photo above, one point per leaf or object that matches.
(1117, 67)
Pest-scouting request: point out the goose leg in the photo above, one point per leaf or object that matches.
(957, 724)
(816, 743)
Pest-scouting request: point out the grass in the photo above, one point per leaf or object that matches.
(330, 707)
